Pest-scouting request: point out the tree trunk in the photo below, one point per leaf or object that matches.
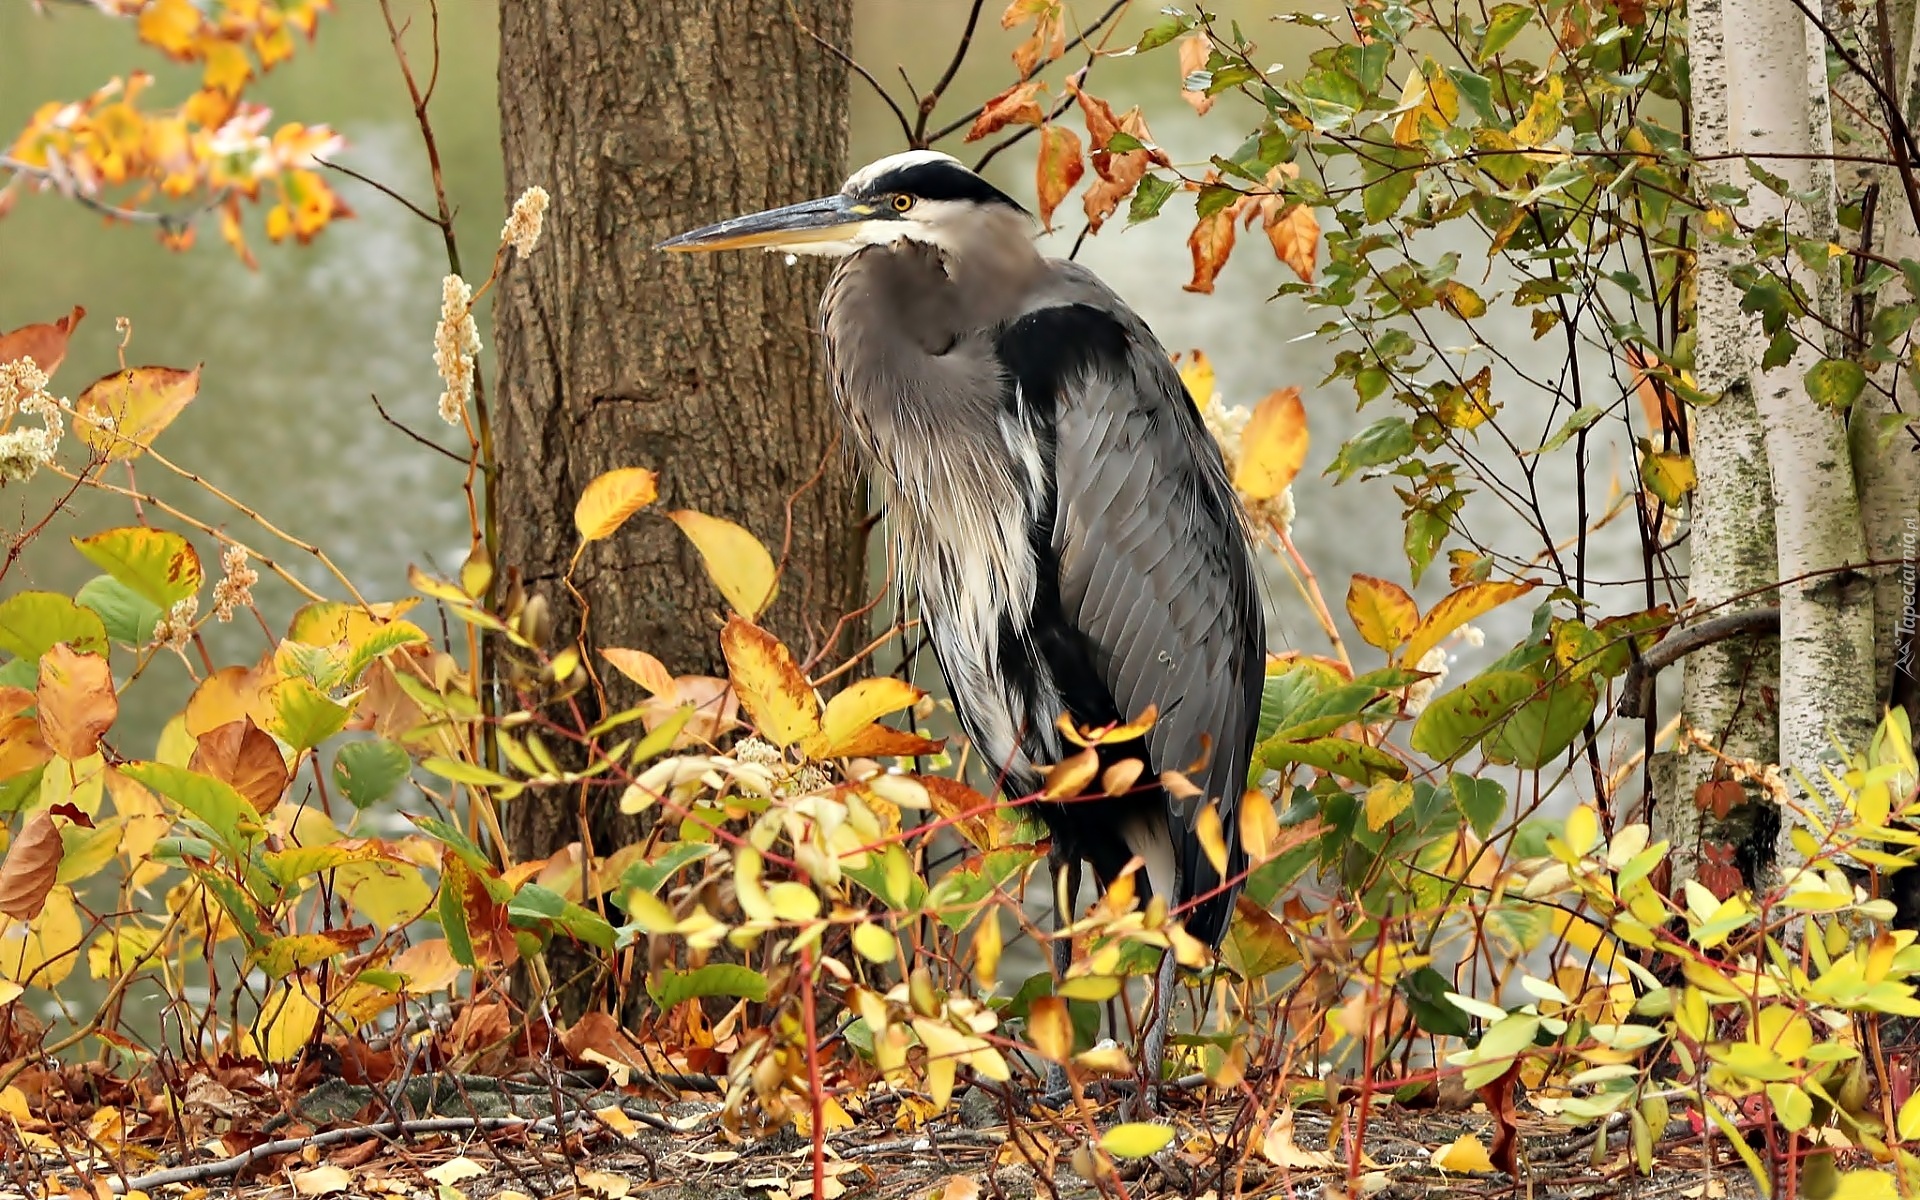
(644, 118)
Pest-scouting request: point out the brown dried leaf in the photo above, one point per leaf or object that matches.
(77, 701)
(241, 755)
(1015, 106)
(31, 867)
(45, 343)
(1295, 234)
(1194, 51)
(1048, 40)
(1210, 243)
(1059, 168)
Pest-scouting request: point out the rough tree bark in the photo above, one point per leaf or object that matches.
(644, 118)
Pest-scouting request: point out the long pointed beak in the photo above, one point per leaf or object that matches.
(830, 219)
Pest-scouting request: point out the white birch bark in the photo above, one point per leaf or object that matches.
(1777, 113)
(1731, 541)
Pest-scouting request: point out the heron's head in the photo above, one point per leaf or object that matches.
(921, 195)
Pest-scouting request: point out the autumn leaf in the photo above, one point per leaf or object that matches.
(244, 757)
(1273, 446)
(1119, 172)
(1464, 1154)
(31, 868)
(641, 667)
(1015, 106)
(1196, 373)
(610, 499)
(1382, 611)
(736, 561)
(1429, 99)
(1295, 234)
(1048, 40)
(1259, 826)
(1194, 52)
(1210, 243)
(77, 701)
(1058, 169)
(119, 415)
(1050, 1028)
(1455, 610)
(45, 343)
(771, 688)
(850, 727)
(1279, 1148)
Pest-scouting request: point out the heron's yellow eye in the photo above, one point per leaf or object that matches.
(902, 203)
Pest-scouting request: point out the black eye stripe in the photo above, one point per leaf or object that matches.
(940, 181)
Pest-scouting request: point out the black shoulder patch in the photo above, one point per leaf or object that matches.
(940, 181)
(1045, 349)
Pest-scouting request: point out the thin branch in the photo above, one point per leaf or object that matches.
(906, 126)
(382, 188)
(429, 443)
(1113, 10)
(170, 223)
(932, 99)
(1636, 689)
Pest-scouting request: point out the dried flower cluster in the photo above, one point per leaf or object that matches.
(23, 393)
(455, 343)
(176, 628)
(522, 230)
(235, 588)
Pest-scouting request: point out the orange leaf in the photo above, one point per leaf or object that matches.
(610, 499)
(641, 667)
(1273, 446)
(44, 343)
(1295, 234)
(1194, 52)
(31, 868)
(21, 747)
(978, 819)
(1259, 825)
(1050, 1028)
(1015, 106)
(230, 694)
(120, 414)
(1210, 243)
(771, 688)
(1049, 36)
(1382, 611)
(1058, 170)
(1069, 777)
(1456, 610)
(77, 701)
(242, 756)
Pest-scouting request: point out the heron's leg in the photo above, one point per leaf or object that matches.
(1066, 887)
(1153, 1053)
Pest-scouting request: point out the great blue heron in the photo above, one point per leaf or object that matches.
(1059, 509)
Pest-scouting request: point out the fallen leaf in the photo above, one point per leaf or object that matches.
(322, 1181)
(605, 1184)
(1463, 1154)
(960, 1187)
(454, 1170)
(31, 868)
(1280, 1150)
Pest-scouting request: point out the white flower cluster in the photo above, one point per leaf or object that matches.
(176, 628)
(522, 230)
(1228, 424)
(455, 343)
(1436, 660)
(23, 393)
(235, 588)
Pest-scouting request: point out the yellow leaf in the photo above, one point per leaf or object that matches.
(321, 1181)
(42, 952)
(1455, 610)
(429, 966)
(771, 688)
(1208, 829)
(1386, 800)
(1545, 114)
(736, 561)
(1382, 612)
(1259, 826)
(1582, 831)
(874, 944)
(1428, 99)
(793, 901)
(1197, 374)
(986, 951)
(286, 1023)
(1068, 778)
(1278, 1146)
(1667, 475)
(1050, 1028)
(856, 707)
(119, 415)
(1136, 1140)
(1273, 445)
(77, 701)
(609, 500)
(1464, 1154)
(1058, 168)
(454, 1170)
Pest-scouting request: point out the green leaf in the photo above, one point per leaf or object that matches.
(1835, 382)
(1348, 759)
(1537, 732)
(453, 839)
(1455, 721)
(1149, 198)
(1390, 173)
(1482, 802)
(1165, 30)
(1382, 442)
(303, 715)
(1425, 992)
(535, 902)
(239, 905)
(156, 563)
(223, 810)
(670, 987)
(1504, 24)
(647, 876)
(367, 772)
(128, 616)
(31, 622)
(453, 911)
(1581, 418)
